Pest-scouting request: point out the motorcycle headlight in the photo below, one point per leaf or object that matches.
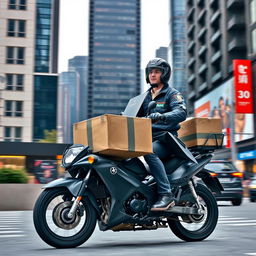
(71, 153)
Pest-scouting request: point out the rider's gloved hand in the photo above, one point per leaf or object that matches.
(155, 117)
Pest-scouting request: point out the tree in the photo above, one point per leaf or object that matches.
(50, 136)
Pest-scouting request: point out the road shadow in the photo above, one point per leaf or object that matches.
(128, 244)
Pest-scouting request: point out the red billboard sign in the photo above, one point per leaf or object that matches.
(243, 86)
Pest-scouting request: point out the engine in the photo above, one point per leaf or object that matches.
(137, 203)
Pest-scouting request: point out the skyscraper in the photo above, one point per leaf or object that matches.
(216, 36)
(79, 64)
(218, 33)
(68, 105)
(162, 52)
(45, 67)
(29, 47)
(114, 55)
(177, 47)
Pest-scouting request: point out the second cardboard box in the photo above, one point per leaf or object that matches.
(198, 131)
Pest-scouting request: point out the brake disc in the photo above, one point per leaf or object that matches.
(197, 218)
(60, 216)
(193, 218)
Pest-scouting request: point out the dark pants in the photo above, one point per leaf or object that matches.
(157, 168)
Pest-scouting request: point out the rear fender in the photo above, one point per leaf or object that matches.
(212, 183)
(187, 170)
(73, 185)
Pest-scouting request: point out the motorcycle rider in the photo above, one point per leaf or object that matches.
(169, 112)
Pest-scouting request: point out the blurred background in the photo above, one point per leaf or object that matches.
(64, 61)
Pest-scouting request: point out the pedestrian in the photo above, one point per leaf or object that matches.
(170, 110)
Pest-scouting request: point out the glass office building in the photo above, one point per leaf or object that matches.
(45, 67)
(79, 64)
(162, 52)
(46, 38)
(177, 47)
(68, 105)
(45, 105)
(114, 55)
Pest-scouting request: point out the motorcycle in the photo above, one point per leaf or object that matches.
(118, 195)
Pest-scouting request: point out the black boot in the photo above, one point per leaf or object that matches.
(164, 202)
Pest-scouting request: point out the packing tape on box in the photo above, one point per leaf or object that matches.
(131, 134)
(130, 129)
(89, 133)
(198, 136)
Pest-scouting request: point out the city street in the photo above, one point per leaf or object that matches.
(235, 235)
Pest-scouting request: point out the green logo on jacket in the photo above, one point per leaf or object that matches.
(160, 104)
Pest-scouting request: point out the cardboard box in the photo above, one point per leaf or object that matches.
(114, 135)
(196, 130)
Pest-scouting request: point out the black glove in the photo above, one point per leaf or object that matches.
(156, 117)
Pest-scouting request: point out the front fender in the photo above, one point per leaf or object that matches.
(73, 185)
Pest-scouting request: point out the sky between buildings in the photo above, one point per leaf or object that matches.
(74, 25)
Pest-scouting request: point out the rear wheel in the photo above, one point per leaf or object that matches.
(197, 227)
(53, 224)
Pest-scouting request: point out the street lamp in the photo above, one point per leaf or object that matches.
(2, 87)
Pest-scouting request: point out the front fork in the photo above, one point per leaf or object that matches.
(79, 196)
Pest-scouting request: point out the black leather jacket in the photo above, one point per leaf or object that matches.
(170, 103)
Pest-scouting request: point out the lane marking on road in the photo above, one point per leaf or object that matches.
(11, 222)
(10, 231)
(232, 218)
(11, 225)
(6, 227)
(10, 217)
(243, 224)
(251, 253)
(9, 236)
(232, 221)
(237, 221)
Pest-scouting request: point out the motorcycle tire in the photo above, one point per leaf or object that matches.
(42, 215)
(236, 202)
(183, 232)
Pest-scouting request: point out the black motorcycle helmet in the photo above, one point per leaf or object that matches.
(162, 65)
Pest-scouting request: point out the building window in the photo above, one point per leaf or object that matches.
(14, 82)
(254, 41)
(16, 28)
(43, 35)
(13, 108)
(15, 55)
(253, 11)
(17, 4)
(12, 133)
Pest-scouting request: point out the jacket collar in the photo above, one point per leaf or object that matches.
(163, 90)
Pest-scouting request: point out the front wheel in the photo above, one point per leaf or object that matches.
(53, 224)
(197, 227)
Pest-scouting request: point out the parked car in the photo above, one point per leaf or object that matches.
(230, 178)
(252, 190)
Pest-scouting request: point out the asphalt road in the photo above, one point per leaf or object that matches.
(235, 235)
